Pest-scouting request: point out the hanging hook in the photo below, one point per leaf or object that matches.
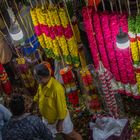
(111, 5)
(120, 6)
(31, 3)
(95, 5)
(50, 1)
(7, 3)
(137, 2)
(129, 10)
(103, 5)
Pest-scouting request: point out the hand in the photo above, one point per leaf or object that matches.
(59, 126)
(32, 106)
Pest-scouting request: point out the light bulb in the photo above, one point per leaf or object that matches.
(122, 40)
(16, 32)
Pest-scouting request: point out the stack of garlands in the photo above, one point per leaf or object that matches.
(70, 86)
(6, 85)
(53, 26)
(92, 97)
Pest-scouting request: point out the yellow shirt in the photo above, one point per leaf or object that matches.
(52, 101)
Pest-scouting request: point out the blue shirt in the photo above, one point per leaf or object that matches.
(5, 115)
(27, 127)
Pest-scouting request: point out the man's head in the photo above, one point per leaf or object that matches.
(42, 73)
(16, 105)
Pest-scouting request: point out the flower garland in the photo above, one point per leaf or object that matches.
(114, 26)
(73, 47)
(128, 61)
(6, 85)
(57, 33)
(26, 74)
(70, 85)
(100, 40)
(106, 82)
(109, 44)
(133, 40)
(87, 13)
(138, 45)
(92, 97)
(37, 29)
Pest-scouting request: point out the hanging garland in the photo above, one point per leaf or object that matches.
(53, 28)
(70, 86)
(87, 18)
(26, 74)
(91, 90)
(100, 40)
(109, 44)
(6, 85)
(133, 40)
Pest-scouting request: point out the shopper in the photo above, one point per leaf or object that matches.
(5, 115)
(52, 103)
(23, 126)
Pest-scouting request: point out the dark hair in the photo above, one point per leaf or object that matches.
(16, 105)
(42, 70)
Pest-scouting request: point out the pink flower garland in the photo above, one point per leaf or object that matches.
(109, 45)
(126, 52)
(100, 40)
(114, 26)
(87, 13)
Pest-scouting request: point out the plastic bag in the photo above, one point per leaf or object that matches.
(105, 127)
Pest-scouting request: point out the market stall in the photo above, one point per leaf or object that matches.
(93, 48)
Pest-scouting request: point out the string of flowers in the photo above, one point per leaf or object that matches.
(127, 59)
(87, 13)
(70, 85)
(57, 33)
(73, 47)
(6, 85)
(92, 97)
(100, 40)
(133, 40)
(137, 26)
(37, 28)
(26, 74)
(120, 61)
(109, 44)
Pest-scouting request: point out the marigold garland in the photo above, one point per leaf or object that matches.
(133, 40)
(54, 33)
(33, 13)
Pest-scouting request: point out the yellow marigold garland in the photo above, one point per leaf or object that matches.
(134, 48)
(138, 81)
(33, 13)
(53, 17)
(72, 44)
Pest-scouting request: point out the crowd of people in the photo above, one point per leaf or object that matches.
(16, 124)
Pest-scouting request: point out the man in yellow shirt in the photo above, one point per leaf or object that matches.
(52, 103)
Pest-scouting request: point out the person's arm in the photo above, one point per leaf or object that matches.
(35, 101)
(6, 113)
(42, 130)
(61, 108)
